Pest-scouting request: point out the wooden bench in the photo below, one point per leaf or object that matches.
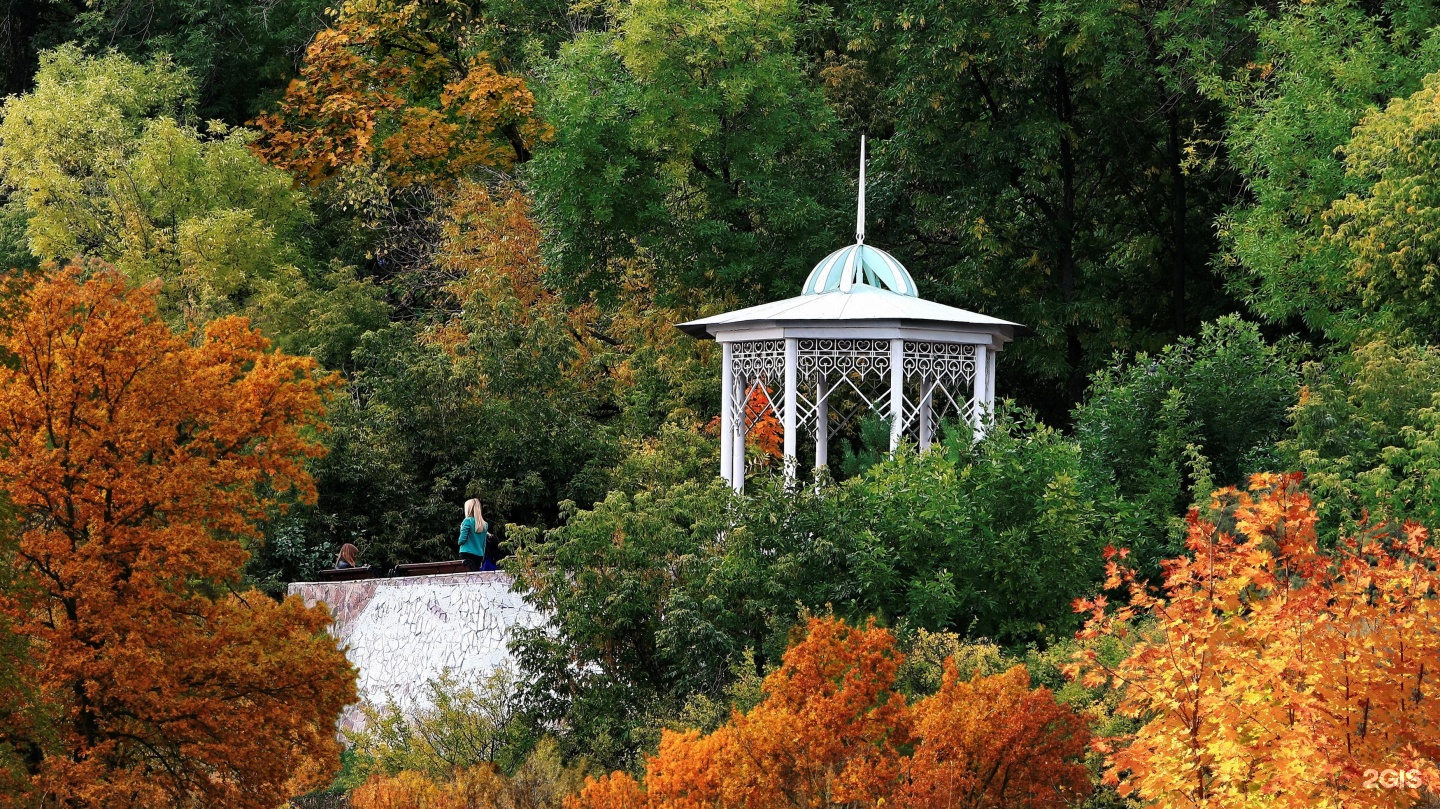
(350, 574)
(428, 568)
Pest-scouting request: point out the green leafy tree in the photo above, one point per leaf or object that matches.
(1387, 231)
(507, 400)
(21, 723)
(659, 595)
(688, 134)
(1366, 433)
(239, 51)
(1036, 164)
(458, 726)
(1167, 427)
(104, 163)
(606, 578)
(1319, 69)
(993, 538)
(99, 156)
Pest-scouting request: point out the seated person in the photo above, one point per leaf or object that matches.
(348, 554)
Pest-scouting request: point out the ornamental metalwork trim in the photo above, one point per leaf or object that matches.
(939, 380)
(759, 368)
(946, 363)
(758, 360)
(844, 357)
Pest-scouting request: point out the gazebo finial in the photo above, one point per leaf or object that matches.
(860, 213)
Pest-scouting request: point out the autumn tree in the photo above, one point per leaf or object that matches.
(397, 102)
(394, 84)
(542, 781)
(1269, 671)
(475, 786)
(995, 742)
(765, 432)
(137, 460)
(832, 731)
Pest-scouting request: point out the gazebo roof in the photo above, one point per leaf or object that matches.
(863, 303)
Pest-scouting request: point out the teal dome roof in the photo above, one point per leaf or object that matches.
(859, 264)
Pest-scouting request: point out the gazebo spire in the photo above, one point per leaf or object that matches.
(859, 267)
(860, 213)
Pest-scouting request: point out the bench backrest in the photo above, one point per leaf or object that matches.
(350, 574)
(428, 568)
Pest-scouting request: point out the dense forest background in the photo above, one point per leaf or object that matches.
(484, 218)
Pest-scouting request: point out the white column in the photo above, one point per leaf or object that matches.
(727, 410)
(792, 376)
(822, 420)
(991, 361)
(922, 413)
(737, 449)
(741, 392)
(897, 391)
(983, 400)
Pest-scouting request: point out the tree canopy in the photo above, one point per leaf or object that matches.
(316, 272)
(137, 462)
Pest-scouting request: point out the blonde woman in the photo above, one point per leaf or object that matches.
(474, 532)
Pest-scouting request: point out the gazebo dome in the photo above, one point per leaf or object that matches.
(863, 265)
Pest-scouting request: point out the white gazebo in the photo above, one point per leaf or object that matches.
(858, 340)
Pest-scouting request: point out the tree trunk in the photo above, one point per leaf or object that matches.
(1074, 351)
(1179, 248)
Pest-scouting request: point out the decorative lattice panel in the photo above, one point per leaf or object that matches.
(947, 363)
(858, 358)
(850, 380)
(857, 382)
(759, 369)
(759, 361)
(947, 372)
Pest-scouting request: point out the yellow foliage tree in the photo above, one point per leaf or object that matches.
(542, 782)
(1278, 673)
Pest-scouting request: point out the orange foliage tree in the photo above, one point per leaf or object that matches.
(766, 433)
(392, 83)
(833, 732)
(490, 248)
(1276, 673)
(137, 461)
(994, 742)
(489, 255)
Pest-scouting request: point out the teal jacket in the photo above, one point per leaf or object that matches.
(472, 541)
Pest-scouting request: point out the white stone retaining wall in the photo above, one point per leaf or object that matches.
(402, 632)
